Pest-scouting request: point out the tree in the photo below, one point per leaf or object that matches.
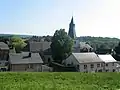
(116, 53)
(117, 49)
(61, 45)
(18, 43)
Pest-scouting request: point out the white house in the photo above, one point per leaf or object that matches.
(85, 62)
(110, 63)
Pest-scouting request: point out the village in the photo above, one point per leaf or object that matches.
(38, 57)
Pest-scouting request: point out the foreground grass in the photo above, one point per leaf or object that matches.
(59, 81)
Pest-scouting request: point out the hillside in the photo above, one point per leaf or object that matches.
(100, 42)
(59, 81)
(95, 42)
(9, 35)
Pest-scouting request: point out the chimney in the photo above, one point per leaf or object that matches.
(29, 54)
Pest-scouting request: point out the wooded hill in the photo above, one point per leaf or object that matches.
(100, 42)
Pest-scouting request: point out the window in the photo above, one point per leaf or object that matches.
(85, 66)
(106, 64)
(98, 65)
(92, 65)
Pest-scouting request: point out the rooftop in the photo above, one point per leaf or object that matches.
(17, 58)
(107, 58)
(86, 57)
(37, 46)
(4, 46)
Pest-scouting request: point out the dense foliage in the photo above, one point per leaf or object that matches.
(100, 42)
(61, 45)
(18, 43)
(116, 54)
(117, 49)
(59, 81)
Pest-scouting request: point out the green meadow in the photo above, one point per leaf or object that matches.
(59, 81)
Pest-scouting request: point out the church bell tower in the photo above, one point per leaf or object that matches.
(72, 32)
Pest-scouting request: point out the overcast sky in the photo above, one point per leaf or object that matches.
(43, 17)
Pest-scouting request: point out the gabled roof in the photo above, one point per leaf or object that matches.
(3, 46)
(86, 57)
(17, 58)
(107, 58)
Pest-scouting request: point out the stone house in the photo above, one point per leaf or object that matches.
(25, 61)
(43, 48)
(4, 55)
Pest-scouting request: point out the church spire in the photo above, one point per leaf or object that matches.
(72, 32)
(72, 20)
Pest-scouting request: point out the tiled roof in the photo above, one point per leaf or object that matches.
(17, 58)
(86, 57)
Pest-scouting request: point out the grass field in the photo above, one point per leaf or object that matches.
(59, 81)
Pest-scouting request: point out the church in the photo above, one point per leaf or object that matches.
(78, 46)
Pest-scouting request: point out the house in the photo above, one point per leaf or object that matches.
(44, 49)
(110, 62)
(4, 55)
(85, 62)
(85, 47)
(39, 46)
(81, 47)
(47, 56)
(25, 61)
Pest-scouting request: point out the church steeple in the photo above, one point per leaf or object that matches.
(72, 20)
(72, 32)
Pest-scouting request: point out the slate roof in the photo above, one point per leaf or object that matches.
(86, 57)
(3, 46)
(17, 58)
(37, 46)
(107, 58)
